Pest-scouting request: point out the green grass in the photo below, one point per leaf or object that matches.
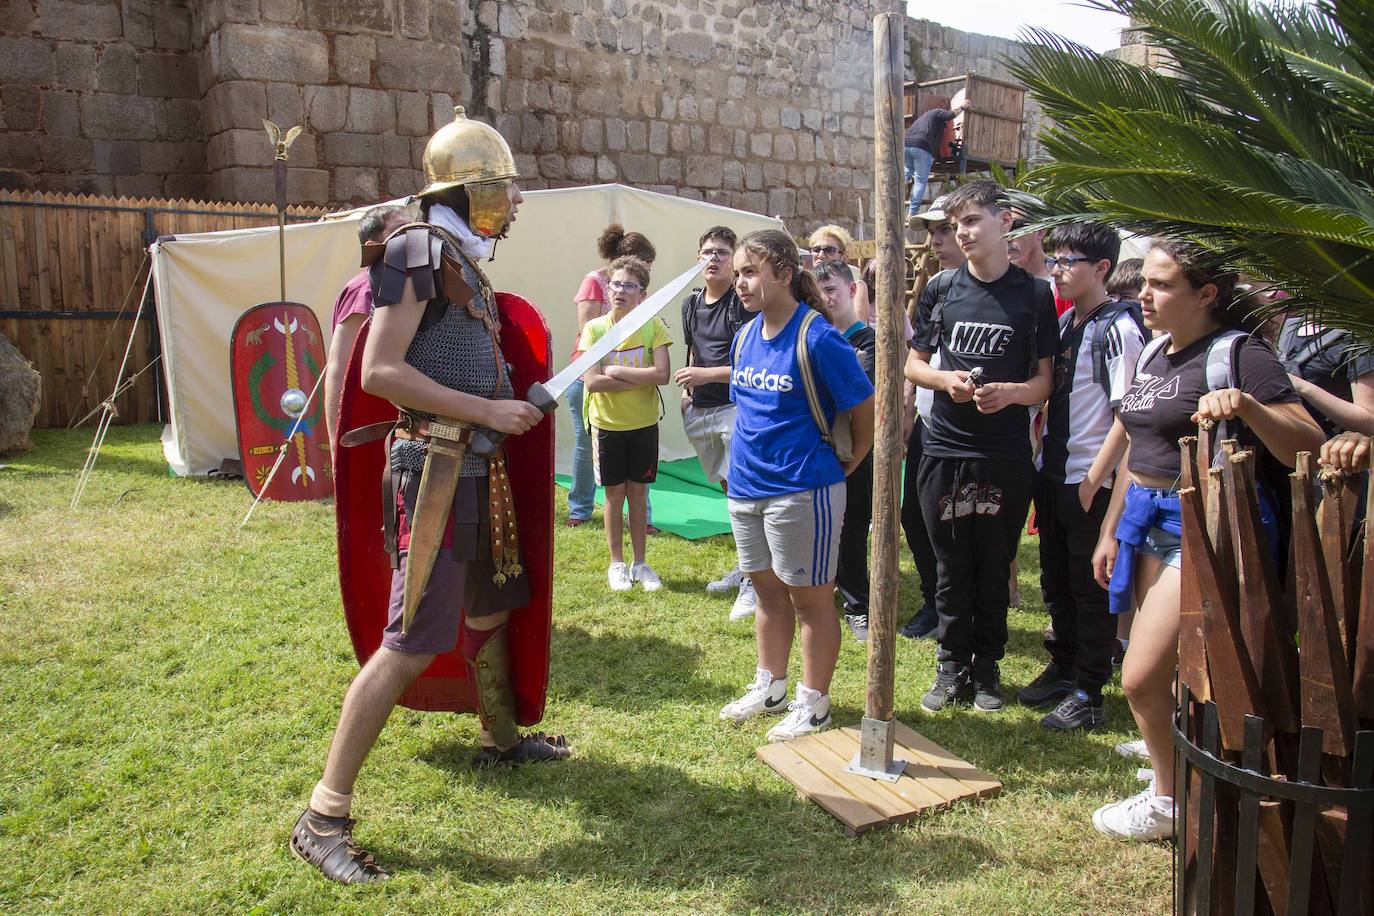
(168, 686)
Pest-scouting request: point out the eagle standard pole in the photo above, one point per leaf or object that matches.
(878, 730)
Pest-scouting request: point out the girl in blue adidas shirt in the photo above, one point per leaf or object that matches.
(1188, 297)
(787, 491)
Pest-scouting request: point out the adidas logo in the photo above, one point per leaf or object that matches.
(762, 381)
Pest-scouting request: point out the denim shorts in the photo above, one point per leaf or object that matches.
(1166, 547)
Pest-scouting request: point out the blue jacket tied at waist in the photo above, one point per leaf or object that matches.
(1145, 509)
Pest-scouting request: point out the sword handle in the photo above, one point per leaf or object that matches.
(485, 442)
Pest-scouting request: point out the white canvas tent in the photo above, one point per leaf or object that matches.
(204, 282)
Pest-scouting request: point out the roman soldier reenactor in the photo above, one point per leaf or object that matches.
(453, 534)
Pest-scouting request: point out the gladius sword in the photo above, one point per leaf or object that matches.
(545, 395)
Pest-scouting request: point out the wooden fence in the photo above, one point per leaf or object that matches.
(72, 269)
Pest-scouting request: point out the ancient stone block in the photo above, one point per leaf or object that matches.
(552, 165)
(741, 144)
(75, 65)
(704, 171)
(284, 105)
(774, 174)
(605, 169)
(407, 64)
(137, 22)
(761, 145)
(173, 76)
(98, 21)
(441, 109)
(115, 157)
(785, 148)
(782, 202)
(353, 56)
(16, 17)
(735, 86)
(239, 147)
(694, 46)
(349, 16)
(401, 182)
(353, 149)
(670, 170)
(235, 104)
(718, 141)
(698, 133)
(67, 154)
(163, 157)
(117, 70)
(21, 107)
(303, 186)
(356, 184)
(591, 136)
(690, 194)
(414, 18)
(412, 114)
(637, 136)
(680, 138)
(560, 98)
(172, 29)
(791, 119)
(581, 168)
(270, 53)
(117, 117)
(61, 114)
(658, 138)
(326, 107)
(370, 111)
(446, 21)
(179, 119)
(282, 10)
(397, 152)
(510, 21)
(189, 187)
(812, 119)
(753, 176)
(615, 134)
(732, 175)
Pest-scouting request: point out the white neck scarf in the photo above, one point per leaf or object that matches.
(473, 245)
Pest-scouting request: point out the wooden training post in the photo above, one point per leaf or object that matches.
(884, 773)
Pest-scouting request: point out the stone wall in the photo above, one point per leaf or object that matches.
(764, 106)
(101, 98)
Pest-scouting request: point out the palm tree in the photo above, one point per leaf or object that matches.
(1256, 139)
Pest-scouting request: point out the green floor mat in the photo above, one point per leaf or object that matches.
(684, 501)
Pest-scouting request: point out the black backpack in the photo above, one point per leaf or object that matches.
(939, 287)
(1103, 324)
(735, 318)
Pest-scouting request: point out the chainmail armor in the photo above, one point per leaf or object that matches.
(456, 352)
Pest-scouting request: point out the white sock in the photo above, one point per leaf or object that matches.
(763, 676)
(326, 801)
(1125, 644)
(808, 697)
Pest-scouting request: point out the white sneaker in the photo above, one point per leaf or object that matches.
(1133, 749)
(1145, 775)
(644, 574)
(803, 719)
(745, 601)
(765, 695)
(726, 583)
(619, 577)
(1138, 817)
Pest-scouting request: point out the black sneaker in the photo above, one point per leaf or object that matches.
(1051, 686)
(1118, 654)
(858, 625)
(923, 624)
(1076, 711)
(952, 684)
(987, 689)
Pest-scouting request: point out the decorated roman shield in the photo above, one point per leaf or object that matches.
(365, 568)
(276, 359)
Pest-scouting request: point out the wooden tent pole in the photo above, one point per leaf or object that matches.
(878, 728)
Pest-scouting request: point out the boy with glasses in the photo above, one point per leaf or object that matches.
(711, 316)
(1101, 341)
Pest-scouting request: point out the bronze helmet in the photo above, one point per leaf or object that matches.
(472, 155)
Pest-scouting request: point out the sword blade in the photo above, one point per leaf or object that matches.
(620, 332)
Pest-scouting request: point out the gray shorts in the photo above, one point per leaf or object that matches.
(797, 535)
(710, 429)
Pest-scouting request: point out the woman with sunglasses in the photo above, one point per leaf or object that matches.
(1188, 298)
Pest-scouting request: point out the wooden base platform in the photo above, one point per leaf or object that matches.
(933, 779)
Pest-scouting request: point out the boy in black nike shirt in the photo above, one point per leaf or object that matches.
(993, 325)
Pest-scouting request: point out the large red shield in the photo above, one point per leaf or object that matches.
(365, 571)
(276, 356)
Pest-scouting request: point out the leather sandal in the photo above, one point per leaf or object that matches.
(535, 748)
(327, 844)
